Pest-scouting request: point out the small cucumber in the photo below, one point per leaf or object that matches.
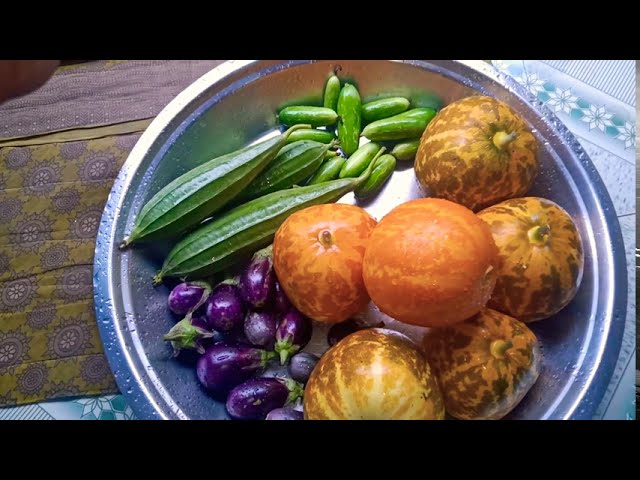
(405, 125)
(424, 113)
(406, 150)
(384, 108)
(295, 162)
(202, 191)
(314, 116)
(332, 92)
(235, 235)
(328, 171)
(350, 119)
(382, 171)
(360, 160)
(322, 136)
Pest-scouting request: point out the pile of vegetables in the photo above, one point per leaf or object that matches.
(473, 264)
(238, 328)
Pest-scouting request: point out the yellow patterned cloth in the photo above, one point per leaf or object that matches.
(61, 147)
(51, 202)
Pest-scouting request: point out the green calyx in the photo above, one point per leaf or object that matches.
(183, 335)
(498, 348)
(285, 349)
(264, 252)
(502, 139)
(268, 356)
(296, 390)
(539, 235)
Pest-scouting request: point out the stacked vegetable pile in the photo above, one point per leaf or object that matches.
(237, 328)
(472, 263)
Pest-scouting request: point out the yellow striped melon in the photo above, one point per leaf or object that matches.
(484, 366)
(373, 374)
(541, 257)
(477, 151)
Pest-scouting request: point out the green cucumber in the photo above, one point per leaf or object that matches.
(314, 116)
(424, 113)
(406, 150)
(322, 136)
(405, 125)
(360, 160)
(328, 171)
(384, 108)
(382, 171)
(202, 191)
(332, 92)
(350, 119)
(295, 162)
(235, 235)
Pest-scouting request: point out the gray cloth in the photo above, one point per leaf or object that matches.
(119, 91)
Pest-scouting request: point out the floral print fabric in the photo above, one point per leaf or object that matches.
(51, 202)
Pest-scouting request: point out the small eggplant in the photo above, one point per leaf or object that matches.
(188, 296)
(281, 301)
(285, 413)
(293, 333)
(260, 328)
(301, 366)
(189, 334)
(225, 308)
(222, 366)
(255, 398)
(257, 280)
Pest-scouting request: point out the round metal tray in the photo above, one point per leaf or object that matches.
(233, 105)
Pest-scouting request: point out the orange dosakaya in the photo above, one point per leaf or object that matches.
(317, 256)
(430, 262)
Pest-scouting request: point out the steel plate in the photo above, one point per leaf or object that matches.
(233, 105)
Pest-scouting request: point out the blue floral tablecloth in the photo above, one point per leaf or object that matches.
(597, 102)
